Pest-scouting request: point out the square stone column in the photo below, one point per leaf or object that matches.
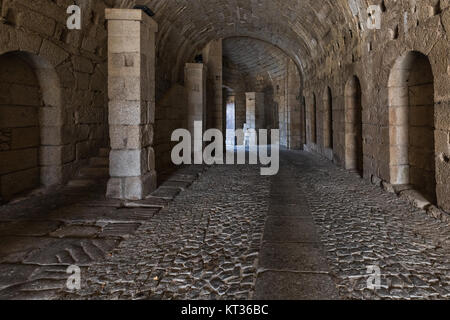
(255, 110)
(131, 91)
(195, 84)
(215, 111)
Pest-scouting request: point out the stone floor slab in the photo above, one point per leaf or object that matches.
(322, 227)
(308, 257)
(295, 286)
(290, 229)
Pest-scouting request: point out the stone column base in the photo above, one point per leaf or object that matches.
(132, 188)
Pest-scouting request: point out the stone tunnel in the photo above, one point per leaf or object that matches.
(357, 93)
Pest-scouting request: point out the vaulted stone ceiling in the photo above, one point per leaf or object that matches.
(255, 57)
(306, 30)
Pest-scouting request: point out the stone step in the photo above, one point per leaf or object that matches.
(94, 173)
(82, 183)
(103, 153)
(99, 162)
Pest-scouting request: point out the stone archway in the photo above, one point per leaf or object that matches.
(31, 121)
(411, 124)
(327, 119)
(353, 126)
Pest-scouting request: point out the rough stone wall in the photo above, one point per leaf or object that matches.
(255, 110)
(170, 115)
(293, 105)
(282, 110)
(131, 112)
(72, 124)
(20, 100)
(212, 55)
(370, 55)
(277, 76)
(328, 41)
(235, 81)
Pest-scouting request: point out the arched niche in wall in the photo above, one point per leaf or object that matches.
(411, 124)
(327, 119)
(31, 122)
(314, 119)
(304, 117)
(353, 126)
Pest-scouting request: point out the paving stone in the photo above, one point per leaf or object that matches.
(122, 230)
(16, 249)
(182, 185)
(28, 228)
(293, 256)
(76, 231)
(290, 229)
(203, 244)
(325, 227)
(166, 193)
(12, 275)
(295, 286)
(78, 252)
(286, 209)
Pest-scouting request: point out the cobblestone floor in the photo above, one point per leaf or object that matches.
(361, 225)
(41, 236)
(309, 232)
(204, 245)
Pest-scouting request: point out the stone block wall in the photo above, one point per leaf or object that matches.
(70, 69)
(255, 110)
(131, 92)
(215, 113)
(371, 56)
(195, 87)
(20, 101)
(234, 80)
(171, 112)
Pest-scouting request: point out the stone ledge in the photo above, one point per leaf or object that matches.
(166, 192)
(131, 14)
(402, 191)
(414, 197)
(196, 66)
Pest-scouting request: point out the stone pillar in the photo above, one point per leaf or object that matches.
(131, 91)
(195, 84)
(294, 106)
(215, 110)
(255, 110)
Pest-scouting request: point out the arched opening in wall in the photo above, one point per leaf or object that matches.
(328, 119)
(271, 80)
(411, 124)
(231, 120)
(314, 120)
(353, 126)
(303, 121)
(31, 151)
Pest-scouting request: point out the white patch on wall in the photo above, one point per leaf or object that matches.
(374, 19)
(358, 10)
(354, 7)
(405, 21)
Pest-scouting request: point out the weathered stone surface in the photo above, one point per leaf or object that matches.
(375, 101)
(42, 236)
(295, 286)
(131, 89)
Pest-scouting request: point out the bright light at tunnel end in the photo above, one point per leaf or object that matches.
(193, 149)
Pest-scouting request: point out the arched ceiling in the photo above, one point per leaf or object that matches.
(303, 29)
(255, 57)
